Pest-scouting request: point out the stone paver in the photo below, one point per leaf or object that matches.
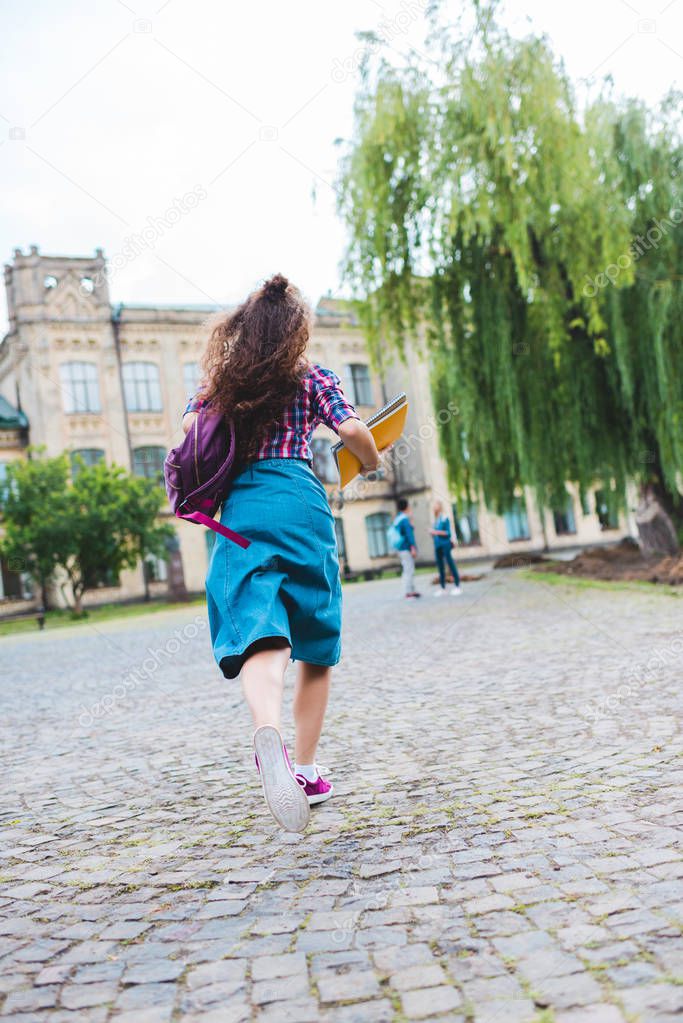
(503, 846)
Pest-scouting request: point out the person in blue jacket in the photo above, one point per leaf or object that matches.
(443, 547)
(404, 543)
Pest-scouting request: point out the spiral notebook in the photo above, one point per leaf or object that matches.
(386, 426)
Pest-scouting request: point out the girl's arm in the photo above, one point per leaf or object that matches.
(441, 532)
(356, 436)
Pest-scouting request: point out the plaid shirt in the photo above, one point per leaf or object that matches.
(320, 399)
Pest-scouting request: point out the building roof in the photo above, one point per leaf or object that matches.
(10, 417)
(173, 307)
(339, 309)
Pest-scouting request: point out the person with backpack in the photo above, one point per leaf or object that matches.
(402, 539)
(275, 592)
(443, 550)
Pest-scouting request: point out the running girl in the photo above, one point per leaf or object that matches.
(281, 597)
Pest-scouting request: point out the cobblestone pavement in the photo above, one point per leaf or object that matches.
(502, 845)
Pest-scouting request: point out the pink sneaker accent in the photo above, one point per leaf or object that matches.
(316, 791)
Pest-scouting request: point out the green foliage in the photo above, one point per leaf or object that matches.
(36, 535)
(114, 524)
(92, 526)
(490, 219)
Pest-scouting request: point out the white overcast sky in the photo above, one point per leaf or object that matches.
(110, 111)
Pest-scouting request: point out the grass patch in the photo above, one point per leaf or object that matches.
(63, 618)
(207, 884)
(581, 583)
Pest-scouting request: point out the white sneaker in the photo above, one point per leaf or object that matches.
(284, 795)
(456, 591)
(439, 592)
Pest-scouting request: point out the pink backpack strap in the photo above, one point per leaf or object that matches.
(218, 527)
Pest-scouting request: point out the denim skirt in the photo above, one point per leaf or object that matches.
(285, 587)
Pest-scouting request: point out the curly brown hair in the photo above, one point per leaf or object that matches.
(254, 360)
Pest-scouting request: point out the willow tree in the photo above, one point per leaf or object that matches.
(494, 221)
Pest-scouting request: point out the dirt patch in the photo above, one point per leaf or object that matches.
(623, 562)
(465, 577)
(518, 560)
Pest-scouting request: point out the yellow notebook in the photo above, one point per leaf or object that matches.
(386, 426)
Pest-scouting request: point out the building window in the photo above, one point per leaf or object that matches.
(50, 281)
(141, 387)
(606, 509)
(149, 462)
(156, 569)
(6, 487)
(360, 385)
(12, 585)
(376, 526)
(190, 378)
(324, 465)
(85, 456)
(516, 521)
(466, 520)
(108, 578)
(80, 387)
(565, 522)
(341, 539)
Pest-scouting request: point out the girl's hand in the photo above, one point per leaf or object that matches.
(356, 438)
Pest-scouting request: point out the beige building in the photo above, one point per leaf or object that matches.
(110, 382)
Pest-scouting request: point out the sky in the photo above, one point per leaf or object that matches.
(194, 140)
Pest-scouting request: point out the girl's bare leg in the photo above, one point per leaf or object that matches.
(310, 700)
(262, 683)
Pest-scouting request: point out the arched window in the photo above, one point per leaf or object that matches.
(516, 520)
(359, 383)
(155, 569)
(324, 465)
(606, 509)
(141, 387)
(149, 462)
(341, 537)
(564, 518)
(80, 387)
(191, 378)
(376, 526)
(466, 521)
(87, 456)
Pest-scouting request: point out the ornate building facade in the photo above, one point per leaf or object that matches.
(78, 374)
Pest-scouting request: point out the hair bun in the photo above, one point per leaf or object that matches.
(275, 287)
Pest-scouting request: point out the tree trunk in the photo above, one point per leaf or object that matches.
(544, 529)
(78, 590)
(656, 529)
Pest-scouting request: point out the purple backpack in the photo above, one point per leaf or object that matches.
(197, 472)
